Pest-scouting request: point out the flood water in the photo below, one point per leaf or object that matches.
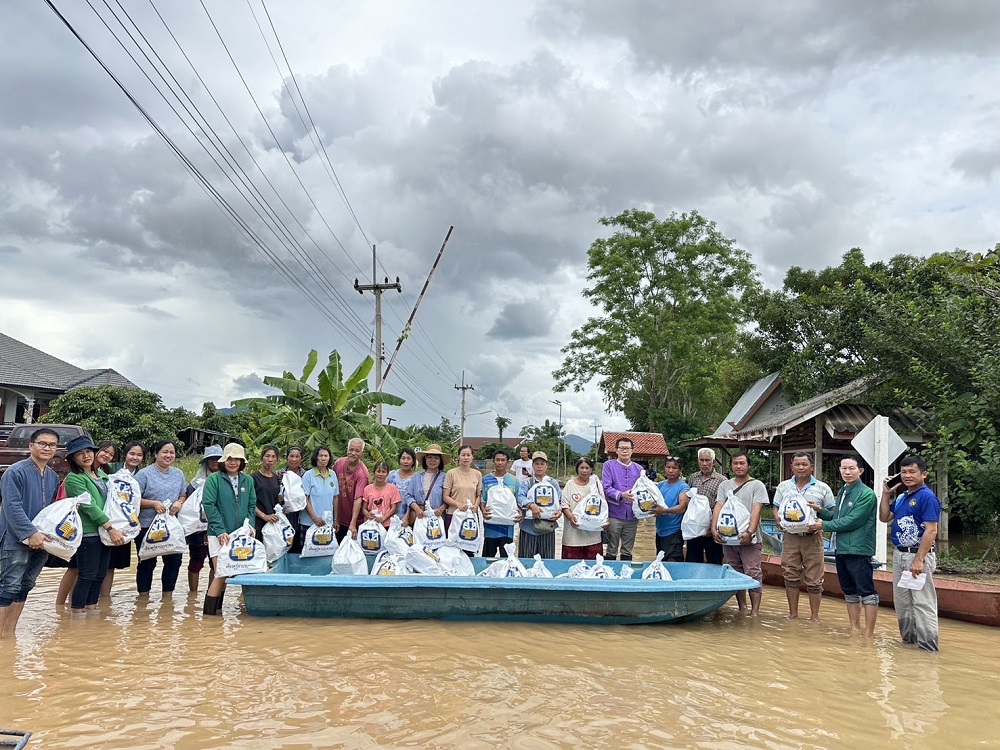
(154, 674)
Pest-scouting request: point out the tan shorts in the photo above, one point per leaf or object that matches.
(744, 558)
(802, 561)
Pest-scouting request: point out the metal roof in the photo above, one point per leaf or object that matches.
(23, 366)
(750, 403)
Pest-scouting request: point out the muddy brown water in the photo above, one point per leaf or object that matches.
(153, 674)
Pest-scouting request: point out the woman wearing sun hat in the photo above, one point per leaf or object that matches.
(198, 542)
(92, 556)
(229, 498)
(425, 489)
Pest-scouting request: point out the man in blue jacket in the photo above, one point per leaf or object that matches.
(27, 487)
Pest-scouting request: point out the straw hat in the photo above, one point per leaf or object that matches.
(433, 450)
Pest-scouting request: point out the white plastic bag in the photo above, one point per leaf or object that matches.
(656, 571)
(320, 541)
(121, 506)
(349, 559)
(733, 520)
(647, 497)
(60, 522)
(592, 512)
(243, 554)
(371, 535)
(388, 564)
(600, 570)
(544, 495)
(192, 514)
(165, 536)
(795, 515)
(697, 519)
(399, 538)
(509, 567)
(429, 530)
(278, 536)
(502, 504)
(424, 560)
(579, 570)
(454, 562)
(466, 530)
(538, 570)
(293, 497)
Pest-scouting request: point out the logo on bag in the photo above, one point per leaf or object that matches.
(727, 525)
(406, 536)
(158, 531)
(242, 549)
(323, 536)
(432, 554)
(202, 518)
(469, 531)
(68, 529)
(129, 511)
(435, 529)
(388, 568)
(543, 496)
(655, 575)
(645, 501)
(123, 491)
(592, 506)
(370, 540)
(289, 534)
(793, 511)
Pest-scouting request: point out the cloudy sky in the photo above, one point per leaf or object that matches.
(802, 128)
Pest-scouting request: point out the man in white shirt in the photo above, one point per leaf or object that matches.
(521, 468)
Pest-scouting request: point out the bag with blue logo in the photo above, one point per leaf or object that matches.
(60, 522)
(656, 571)
(508, 567)
(733, 520)
(371, 535)
(388, 564)
(646, 497)
(349, 560)
(544, 495)
(424, 560)
(399, 538)
(278, 536)
(320, 541)
(429, 530)
(466, 530)
(600, 570)
(592, 512)
(165, 536)
(243, 554)
(192, 514)
(794, 514)
(121, 506)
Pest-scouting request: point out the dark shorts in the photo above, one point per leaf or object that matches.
(856, 579)
(121, 557)
(197, 550)
(493, 546)
(672, 547)
(589, 552)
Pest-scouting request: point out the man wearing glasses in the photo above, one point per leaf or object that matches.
(26, 488)
(618, 477)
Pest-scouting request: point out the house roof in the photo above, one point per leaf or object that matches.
(478, 442)
(651, 444)
(755, 397)
(23, 366)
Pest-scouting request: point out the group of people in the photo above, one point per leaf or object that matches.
(343, 494)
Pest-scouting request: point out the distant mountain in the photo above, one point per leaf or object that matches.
(579, 444)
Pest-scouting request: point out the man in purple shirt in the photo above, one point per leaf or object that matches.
(618, 477)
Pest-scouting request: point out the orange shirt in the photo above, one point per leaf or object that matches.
(382, 501)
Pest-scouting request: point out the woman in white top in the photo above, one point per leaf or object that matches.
(577, 544)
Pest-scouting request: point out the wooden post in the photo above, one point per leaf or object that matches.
(818, 445)
(942, 493)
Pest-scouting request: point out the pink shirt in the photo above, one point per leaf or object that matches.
(382, 501)
(352, 486)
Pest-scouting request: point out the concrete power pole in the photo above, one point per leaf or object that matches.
(463, 388)
(596, 446)
(378, 289)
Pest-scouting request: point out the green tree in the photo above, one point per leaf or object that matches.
(444, 434)
(502, 424)
(548, 437)
(121, 415)
(670, 299)
(331, 413)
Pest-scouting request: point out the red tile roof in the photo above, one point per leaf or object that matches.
(645, 444)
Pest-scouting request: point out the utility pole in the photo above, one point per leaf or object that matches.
(390, 420)
(463, 388)
(558, 403)
(596, 446)
(378, 289)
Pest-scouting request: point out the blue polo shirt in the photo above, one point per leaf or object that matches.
(910, 512)
(667, 525)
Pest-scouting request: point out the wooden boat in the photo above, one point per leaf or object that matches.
(957, 600)
(303, 587)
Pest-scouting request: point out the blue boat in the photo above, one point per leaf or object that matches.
(303, 587)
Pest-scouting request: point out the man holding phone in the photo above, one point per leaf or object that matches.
(521, 468)
(914, 514)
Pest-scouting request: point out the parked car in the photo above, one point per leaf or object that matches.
(16, 446)
(4, 433)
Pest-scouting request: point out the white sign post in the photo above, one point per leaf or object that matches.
(879, 445)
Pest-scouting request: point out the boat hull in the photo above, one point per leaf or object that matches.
(300, 588)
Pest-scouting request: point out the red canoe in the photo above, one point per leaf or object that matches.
(957, 600)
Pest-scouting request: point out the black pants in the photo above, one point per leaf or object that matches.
(493, 547)
(144, 570)
(704, 549)
(92, 565)
(672, 547)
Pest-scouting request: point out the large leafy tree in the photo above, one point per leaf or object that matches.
(445, 433)
(330, 413)
(669, 294)
(120, 414)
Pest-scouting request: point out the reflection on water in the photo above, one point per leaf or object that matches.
(151, 673)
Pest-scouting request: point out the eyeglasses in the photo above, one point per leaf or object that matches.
(46, 446)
